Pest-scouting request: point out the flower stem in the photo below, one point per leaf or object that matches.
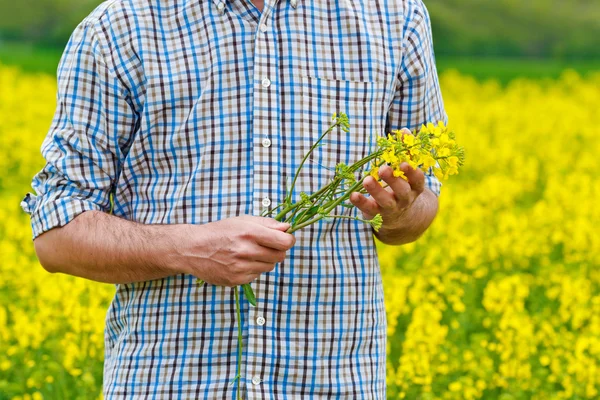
(328, 209)
(354, 167)
(289, 208)
(239, 324)
(349, 217)
(314, 146)
(334, 204)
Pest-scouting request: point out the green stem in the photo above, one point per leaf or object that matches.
(314, 146)
(239, 324)
(334, 204)
(289, 208)
(267, 212)
(354, 167)
(326, 211)
(331, 187)
(349, 217)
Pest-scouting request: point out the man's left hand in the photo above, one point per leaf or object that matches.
(393, 201)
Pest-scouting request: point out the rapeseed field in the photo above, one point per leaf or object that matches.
(500, 299)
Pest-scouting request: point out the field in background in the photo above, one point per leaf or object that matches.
(500, 299)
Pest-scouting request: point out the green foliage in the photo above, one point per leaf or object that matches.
(536, 28)
(48, 22)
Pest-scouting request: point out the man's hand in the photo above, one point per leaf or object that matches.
(407, 208)
(106, 248)
(233, 251)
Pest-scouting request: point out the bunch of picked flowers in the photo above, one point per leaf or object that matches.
(433, 147)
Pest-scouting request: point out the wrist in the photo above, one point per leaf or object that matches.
(169, 251)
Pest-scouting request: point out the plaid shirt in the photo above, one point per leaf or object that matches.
(194, 111)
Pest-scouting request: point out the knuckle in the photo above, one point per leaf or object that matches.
(245, 234)
(388, 204)
(245, 250)
(403, 191)
(237, 269)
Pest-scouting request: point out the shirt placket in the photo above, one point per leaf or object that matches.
(266, 185)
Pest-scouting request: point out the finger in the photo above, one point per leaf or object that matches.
(266, 254)
(251, 277)
(272, 223)
(416, 177)
(368, 207)
(273, 238)
(400, 188)
(241, 280)
(384, 198)
(259, 267)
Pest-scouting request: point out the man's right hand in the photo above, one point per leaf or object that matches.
(232, 251)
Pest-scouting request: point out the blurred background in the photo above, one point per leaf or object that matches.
(500, 299)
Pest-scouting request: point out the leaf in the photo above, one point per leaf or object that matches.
(237, 376)
(312, 211)
(249, 293)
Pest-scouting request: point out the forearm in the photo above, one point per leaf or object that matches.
(413, 223)
(105, 248)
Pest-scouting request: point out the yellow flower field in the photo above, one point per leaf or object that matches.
(500, 299)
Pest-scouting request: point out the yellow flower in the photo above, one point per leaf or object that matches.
(408, 140)
(398, 173)
(452, 161)
(389, 156)
(413, 164)
(374, 172)
(444, 152)
(428, 161)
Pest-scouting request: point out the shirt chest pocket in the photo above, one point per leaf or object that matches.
(365, 103)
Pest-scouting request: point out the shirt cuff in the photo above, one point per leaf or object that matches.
(54, 213)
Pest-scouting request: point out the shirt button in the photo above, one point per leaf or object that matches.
(266, 202)
(266, 142)
(256, 379)
(221, 6)
(293, 3)
(261, 321)
(266, 82)
(263, 27)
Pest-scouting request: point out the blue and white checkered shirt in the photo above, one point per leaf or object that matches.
(195, 111)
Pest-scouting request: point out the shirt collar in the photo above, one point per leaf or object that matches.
(221, 4)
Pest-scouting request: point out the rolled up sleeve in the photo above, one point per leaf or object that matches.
(82, 148)
(418, 99)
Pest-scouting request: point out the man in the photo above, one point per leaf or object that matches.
(195, 116)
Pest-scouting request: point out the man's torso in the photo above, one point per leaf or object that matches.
(228, 100)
